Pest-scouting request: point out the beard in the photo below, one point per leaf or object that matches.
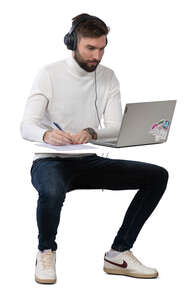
(85, 64)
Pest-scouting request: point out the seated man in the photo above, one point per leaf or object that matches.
(76, 93)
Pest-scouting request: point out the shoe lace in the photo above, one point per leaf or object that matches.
(47, 260)
(133, 258)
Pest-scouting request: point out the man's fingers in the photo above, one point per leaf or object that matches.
(62, 137)
(85, 141)
(75, 138)
(59, 141)
(68, 135)
(80, 138)
(56, 142)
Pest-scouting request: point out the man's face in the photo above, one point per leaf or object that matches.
(89, 52)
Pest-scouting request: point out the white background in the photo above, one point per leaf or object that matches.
(149, 50)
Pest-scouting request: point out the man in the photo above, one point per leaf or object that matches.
(76, 93)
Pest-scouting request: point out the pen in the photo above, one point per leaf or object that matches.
(57, 125)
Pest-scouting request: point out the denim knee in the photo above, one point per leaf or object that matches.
(160, 175)
(164, 174)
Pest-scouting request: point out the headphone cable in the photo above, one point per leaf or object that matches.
(96, 99)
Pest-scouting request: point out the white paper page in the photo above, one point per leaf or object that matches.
(68, 147)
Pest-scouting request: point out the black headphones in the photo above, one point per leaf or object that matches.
(70, 38)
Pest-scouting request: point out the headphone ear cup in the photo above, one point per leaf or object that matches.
(69, 41)
(66, 40)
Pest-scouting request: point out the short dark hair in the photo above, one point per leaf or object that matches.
(91, 26)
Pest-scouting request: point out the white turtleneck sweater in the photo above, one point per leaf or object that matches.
(65, 93)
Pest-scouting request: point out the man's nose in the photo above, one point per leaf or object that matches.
(97, 55)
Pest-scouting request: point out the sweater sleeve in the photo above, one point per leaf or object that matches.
(112, 114)
(31, 127)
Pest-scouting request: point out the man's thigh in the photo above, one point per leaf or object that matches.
(114, 174)
(50, 175)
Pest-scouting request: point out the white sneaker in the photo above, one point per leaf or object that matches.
(45, 267)
(125, 263)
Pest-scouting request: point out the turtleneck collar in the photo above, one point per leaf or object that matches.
(76, 69)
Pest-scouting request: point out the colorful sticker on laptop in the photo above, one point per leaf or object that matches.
(160, 130)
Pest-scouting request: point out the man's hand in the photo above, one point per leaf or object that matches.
(81, 138)
(57, 137)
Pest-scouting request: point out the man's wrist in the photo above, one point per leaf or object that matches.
(92, 132)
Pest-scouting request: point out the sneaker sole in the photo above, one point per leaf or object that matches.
(124, 272)
(47, 281)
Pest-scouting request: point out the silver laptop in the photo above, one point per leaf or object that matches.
(143, 123)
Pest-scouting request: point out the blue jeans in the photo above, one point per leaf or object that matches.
(53, 177)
